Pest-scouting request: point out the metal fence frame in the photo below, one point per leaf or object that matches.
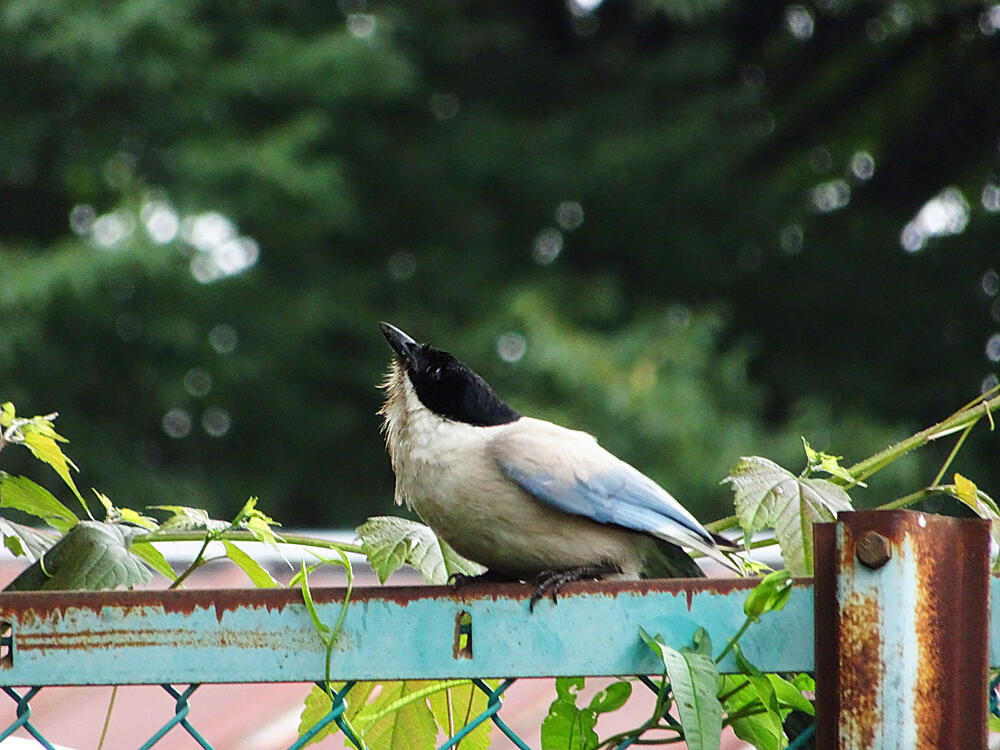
(895, 625)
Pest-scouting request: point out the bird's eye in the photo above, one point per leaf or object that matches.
(437, 372)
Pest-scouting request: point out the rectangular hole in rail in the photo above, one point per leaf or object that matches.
(6, 644)
(462, 647)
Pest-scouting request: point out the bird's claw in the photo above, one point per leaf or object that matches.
(551, 582)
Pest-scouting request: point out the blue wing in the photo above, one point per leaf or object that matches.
(568, 470)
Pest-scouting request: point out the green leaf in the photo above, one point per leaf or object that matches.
(322, 629)
(770, 595)
(693, 677)
(757, 728)
(154, 558)
(260, 577)
(388, 542)
(25, 495)
(613, 697)
(124, 515)
(91, 556)
(183, 518)
(406, 726)
(790, 696)
(45, 448)
(568, 727)
(317, 705)
(7, 414)
(24, 540)
(820, 461)
(981, 504)
(256, 522)
(761, 687)
(455, 707)
(768, 495)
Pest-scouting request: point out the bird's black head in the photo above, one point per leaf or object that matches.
(447, 386)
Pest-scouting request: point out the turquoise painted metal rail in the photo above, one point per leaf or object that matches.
(389, 633)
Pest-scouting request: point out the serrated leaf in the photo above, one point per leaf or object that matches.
(256, 522)
(154, 558)
(694, 677)
(411, 726)
(317, 706)
(820, 461)
(465, 702)
(91, 556)
(389, 541)
(45, 448)
(767, 494)
(24, 540)
(260, 577)
(183, 518)
(25, 495)
(567, 726)
(124, 515)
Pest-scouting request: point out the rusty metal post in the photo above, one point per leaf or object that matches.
(902, 631)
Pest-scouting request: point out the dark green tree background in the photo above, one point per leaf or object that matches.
(696, 229)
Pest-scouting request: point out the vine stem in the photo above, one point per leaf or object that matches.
(238, 535)
(963, 419)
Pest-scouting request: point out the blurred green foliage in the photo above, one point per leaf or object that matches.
(676, 224)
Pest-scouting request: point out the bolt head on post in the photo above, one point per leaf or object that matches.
(873, 550)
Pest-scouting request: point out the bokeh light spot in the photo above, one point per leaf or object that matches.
(830, 196)
(161, 221)
(945, 214)
(991, 283)
(993, 348)
(361, 25)
(548, 244)
(569, 215)
(799, 21)
(108, 230)
(177, 423)
(81, 218)
(511, 347)
(991, 197)
(216, 422)
(198, 382)
(791, 238)
(862, 165)
(678, 316)
(223, 338)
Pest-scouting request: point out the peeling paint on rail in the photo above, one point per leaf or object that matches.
(248, 635)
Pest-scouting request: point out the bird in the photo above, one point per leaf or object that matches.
(526, 498)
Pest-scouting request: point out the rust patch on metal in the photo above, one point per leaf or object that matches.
(952, 625)
(861, 669)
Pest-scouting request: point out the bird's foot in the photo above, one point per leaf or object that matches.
(459, 580)
(551, 582)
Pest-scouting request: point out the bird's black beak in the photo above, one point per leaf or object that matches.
(404, 346)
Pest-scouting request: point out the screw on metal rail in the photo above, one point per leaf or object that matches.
(873, 550)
